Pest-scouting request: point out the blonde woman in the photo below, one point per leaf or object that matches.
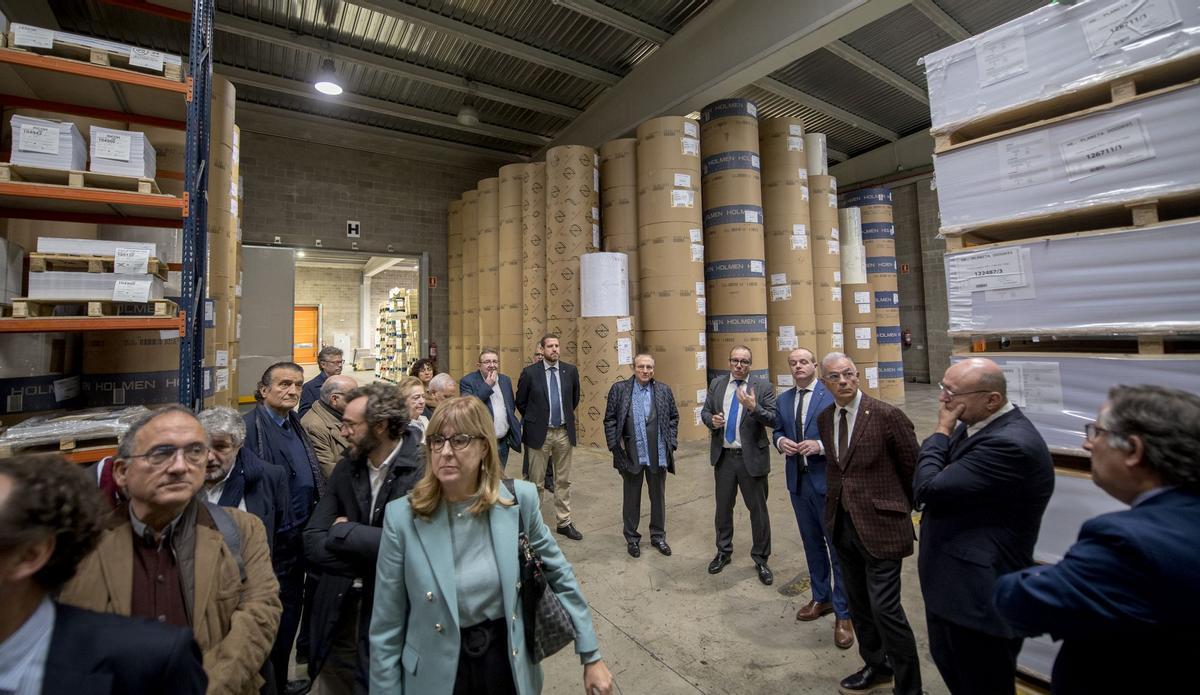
(413, 393)
(447, 617)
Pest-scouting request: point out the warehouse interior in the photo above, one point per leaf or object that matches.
(369, 156)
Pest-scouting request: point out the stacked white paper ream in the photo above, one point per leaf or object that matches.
(604, 284)
(102, 287)
(40, 142)
(122, 152)
(816, 154)
(91, 247)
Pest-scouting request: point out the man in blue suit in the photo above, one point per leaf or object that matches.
(983, 479)
(1124, 598)
(797, 438)
(496, 391)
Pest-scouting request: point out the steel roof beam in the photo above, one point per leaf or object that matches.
(875, 69)
(380, 106)
(809, 101)
(615, 18)
(942, 19)
(483, 37)
(279, 36)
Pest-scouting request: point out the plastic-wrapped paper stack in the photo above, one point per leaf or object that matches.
(533, 258)
(572, 229)
(470, 316)
(607, 341)
(49, 144)
(121, 152)
(671, 263)
(488, 262)
(858, 306)
(618, 209)
(454, 270)
(511, 247)
(735, 272)
(791, 313)
(826, 247)
(879, 238)
(39, 374)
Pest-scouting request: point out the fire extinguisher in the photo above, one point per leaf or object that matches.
(906, 338)
(433, 351)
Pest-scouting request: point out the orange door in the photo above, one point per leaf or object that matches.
(304, 330)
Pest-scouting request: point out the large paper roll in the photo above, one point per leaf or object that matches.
(816, 153)
(604, 280)
(854, 254)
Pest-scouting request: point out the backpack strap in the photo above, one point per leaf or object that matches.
(229, 531)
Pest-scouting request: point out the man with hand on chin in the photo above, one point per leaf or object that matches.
(496, 391)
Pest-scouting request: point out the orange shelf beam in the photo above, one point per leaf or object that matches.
(17, 102)
(89, 195)
(90, 454)
(100, 72)
(54, 324)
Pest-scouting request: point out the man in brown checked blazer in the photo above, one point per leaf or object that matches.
(872, 450)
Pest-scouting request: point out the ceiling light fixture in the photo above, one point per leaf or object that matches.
(327, 79)
(300, 254)
(468, 116)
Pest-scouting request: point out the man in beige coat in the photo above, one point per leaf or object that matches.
(323, 422)
(167, 556)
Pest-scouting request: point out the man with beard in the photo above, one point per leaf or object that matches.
(342, 539)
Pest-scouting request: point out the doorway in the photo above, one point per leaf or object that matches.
(306, 329)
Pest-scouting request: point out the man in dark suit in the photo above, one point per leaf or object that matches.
(1123, 600)
(641, 427)
(342, 538)
(547, 395)
(868, 506)
(495, 390)
(50, 518)
(329, 361)
(984, 478)
(797, 438)
(738, 409)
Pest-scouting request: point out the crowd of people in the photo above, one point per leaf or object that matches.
(371, 534)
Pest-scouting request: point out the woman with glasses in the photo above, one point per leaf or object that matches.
(448, 617)
(413, 393)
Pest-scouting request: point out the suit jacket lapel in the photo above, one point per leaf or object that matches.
(860, 424)
(116, 564)
(504, 523)
(814, 409)
(208, 546)
(435, 540)
(64, 673)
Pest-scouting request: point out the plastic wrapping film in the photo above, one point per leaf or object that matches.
(1129, 281)
(1060, 393)
(1056, 50)
(1136, 151)
(86, 424)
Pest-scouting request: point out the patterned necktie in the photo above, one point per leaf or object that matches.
(734, 408)
(555, 399)
(843, 434)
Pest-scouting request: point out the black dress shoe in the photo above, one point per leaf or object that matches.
(661, 546)
(634, 549)
(866, 678)
(297, 687)
(764, 573)
(718, 563)
(570, 532)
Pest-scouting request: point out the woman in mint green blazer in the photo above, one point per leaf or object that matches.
(447, 617)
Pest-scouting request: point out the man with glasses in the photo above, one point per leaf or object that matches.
(1124, 598)
(496, 391)
(984, 478)
(166, 557)
(739, 409)
(323, 422)
(330, 362)
(872, 450)
(342, 539)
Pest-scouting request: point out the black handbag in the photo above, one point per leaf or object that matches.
(548, 627)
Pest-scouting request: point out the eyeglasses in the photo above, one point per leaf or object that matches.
(1092, 430)
(737, 361)
(841, 376)
(951, 394)
(334, 362)
(458, 442)
(196, 452)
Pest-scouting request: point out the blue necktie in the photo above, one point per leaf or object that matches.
(555, 399)
(734, 408)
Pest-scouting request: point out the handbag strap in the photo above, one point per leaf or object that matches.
(512, 488)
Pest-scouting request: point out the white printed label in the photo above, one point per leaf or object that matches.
(168, 335)
(1035, 386)
(864, 308)
(835, 233)
(756, 267)
(795, 144)
(781, 293)
(804, 192)
(624, 325)
(799, 242)
(794, 129)
(787, 330)
(832, 199)
(778, 278)
(210, 312)
(38, 138)
(863, 344)
(683, 199)
(833, 248)
(690, 128)
(129, 261)
(996, 269)
(799, 230)
(697, 235)
(872, 377)
(145, 58)
(862, 298)
(698, 252)
(1028, 291)
(32, 37)
(787, 343)
(595, 179)
(755, 163)
(837, 276)
(785, 380)
(112, 146)
(701, 361)
(1001, 56)
(624, 351)
(863, 332)
(696, 414)
(222, 358)
(752, 110)
(702, 340)
(222, 381)
(595, 236)
(595, 213)
(835, 294)
(700, 291)
(752, 216)
(683, 180)
(66, 389)
(1126, 21)
(690, 146)
(701, 306)
(131, 291)
(1116, 146)
(837, 326)
(1025, 161)
(837, 341)
(802, 174)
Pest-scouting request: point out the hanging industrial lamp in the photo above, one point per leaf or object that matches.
(327, 79)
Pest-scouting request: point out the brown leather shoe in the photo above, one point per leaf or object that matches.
(813, 610)
(843, 633)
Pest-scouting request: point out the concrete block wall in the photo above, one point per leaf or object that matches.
(933, 249)
(301, 192)
(923, 306)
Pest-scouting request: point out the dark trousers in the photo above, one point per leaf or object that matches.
(631, 507)
(502, 445)
(885, 639)
(731, 476)
(487, 672)
(972, 662)
(823, 568)
(341, 669)
(291, 594)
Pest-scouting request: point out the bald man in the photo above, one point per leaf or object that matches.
(983, 478)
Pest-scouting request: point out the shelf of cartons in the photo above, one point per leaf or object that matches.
(74, 87)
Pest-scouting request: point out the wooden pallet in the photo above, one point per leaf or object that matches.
(160, 308)
(77, 179)
(43, 262)
(62, 444)
(97, 56)
(1136, 212)
(1103, 94)
(1143, 344)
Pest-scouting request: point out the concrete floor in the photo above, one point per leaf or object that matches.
(666, 626)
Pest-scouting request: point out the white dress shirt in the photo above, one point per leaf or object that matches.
(851, 409)
(727, 403)
(973, 430)
(23, 655)
(499, 412)
(562, 414)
